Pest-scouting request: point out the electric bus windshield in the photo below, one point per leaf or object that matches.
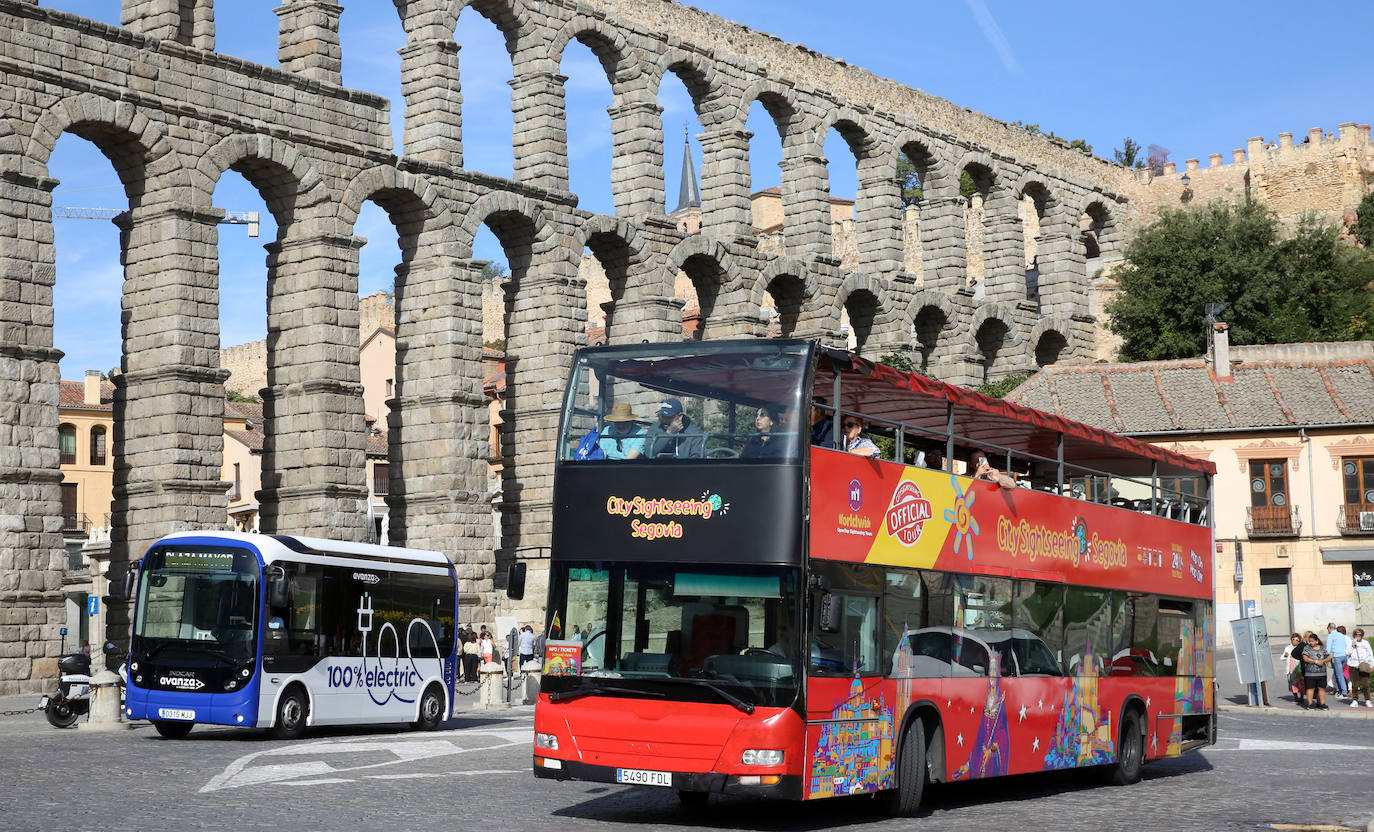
(202, 599)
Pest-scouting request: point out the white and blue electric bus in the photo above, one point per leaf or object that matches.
(286, 632)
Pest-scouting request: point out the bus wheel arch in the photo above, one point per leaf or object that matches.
(914, 763)
(1130, 745)
(928, 714)
(291, 714)
(430, 707)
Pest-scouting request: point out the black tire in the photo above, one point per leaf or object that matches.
(1130, 756)
(174, 730)
(60, 713)
(292, 711)
(693, 801)
(431, 709)
(905, 800)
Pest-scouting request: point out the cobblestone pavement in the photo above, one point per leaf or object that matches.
(475, 771)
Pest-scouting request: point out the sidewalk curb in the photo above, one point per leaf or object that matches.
(1341, 711)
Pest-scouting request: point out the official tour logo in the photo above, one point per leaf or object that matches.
(908, 513)
(856, 495)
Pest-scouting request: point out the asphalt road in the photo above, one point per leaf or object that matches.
(1285, 767)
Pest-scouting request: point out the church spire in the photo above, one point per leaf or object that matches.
(689, 195)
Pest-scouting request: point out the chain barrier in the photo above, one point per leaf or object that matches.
(21, 713)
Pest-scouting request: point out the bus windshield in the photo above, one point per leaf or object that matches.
(201, 599)
(692, 401)
(699, 633)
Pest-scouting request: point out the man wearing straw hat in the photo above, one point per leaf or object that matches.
(624, 435)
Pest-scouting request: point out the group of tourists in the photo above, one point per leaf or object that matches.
(479, 649)
(1348, 659)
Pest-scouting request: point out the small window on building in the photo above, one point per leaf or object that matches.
(66, 443)
(390, 387)
(1268, 484)
(70, 520)
(1359, 492)
(98, 445)
(236, 492)
(381, 479)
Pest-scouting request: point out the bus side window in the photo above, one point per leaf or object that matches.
(1038, 628)
(855, 647)
(1087, 612)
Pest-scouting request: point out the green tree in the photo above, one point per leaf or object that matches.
(1305, 287)
(240, 396)
(999, 389)
(1364, 221)
(494, 271)
(910, 177)
(967, 185)
(1128, 155)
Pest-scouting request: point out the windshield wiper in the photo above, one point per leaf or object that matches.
(590, 690)
(747, 707)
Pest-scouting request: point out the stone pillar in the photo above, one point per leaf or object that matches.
(433, 102)
(1063, 282)
(541, 130)
(806, 204)
(32, 556)
(169, 401)
(308, 39)
(314, 461)
(1004, 248)
(878, 224)
(637, 158)
(203, 25)
(437, 427)
(159, 19)
(944, 263)
(725, 208)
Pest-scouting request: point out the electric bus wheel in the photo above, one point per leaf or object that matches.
(173, 730)
(431, 709)
(903, 801)
(291, 713)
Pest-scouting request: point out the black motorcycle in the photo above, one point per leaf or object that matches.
(73, 697)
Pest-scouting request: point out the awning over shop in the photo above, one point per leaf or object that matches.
(1346, 554)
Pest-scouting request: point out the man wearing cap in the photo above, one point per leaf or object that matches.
(675, 435)
(624, 435)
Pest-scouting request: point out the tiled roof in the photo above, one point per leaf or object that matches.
(251, 439)
(1287, 385)
(243, 410)
(73, 394)
(377, 444)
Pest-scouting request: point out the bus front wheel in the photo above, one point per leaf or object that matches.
(431, 709)
(903, 801)
(291, 714)
(173, 730)
(1130, 756)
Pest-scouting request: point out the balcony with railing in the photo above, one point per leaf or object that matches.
(73, 524)
(1355, 519)
(1272, 521)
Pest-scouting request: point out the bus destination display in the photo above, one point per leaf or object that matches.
(207, 560)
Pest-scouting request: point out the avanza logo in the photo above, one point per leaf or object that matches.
(908, 513)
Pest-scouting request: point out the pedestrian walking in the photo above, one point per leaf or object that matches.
(1361, 665)
(1292, 665)
(1338, 646)
(1315, 660)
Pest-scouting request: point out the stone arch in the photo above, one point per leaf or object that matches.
(934, 319)
(993, 337)
(1050, 341)
(510, 17)
(979, 159)
(503, 211)
(1099, 234)
(864, 299)
(606, 42)
(621, 255)
(136, 145)
(1037, 215)
(707, 263)
(861, 135)
(289, 183)
(698, 74)
(385, 185)
(793, 290)
(780, 103)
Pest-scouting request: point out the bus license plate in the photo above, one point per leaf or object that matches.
(640, 777)
(42, 701)
(176, 713)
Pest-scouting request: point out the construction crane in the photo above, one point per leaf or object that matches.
(248, 218)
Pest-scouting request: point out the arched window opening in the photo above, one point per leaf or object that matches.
(991, 338)
(66, 443)
(782, 305)
(844, 148)
(975, 185)
(1096, 234)
(486, 71)
(860, 313)
(930, 323)
(99, 454)
(606, 266)
(914, 164)
(769, 116)
(587, 99)
(1034, 207)
(1050, 348)
(701, 289)
(678, 94)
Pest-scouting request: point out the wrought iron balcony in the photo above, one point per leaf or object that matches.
(1272, 521)
(1355, 519)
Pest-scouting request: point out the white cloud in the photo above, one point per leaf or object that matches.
(993, 33)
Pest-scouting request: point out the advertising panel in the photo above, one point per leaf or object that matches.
(868, 511)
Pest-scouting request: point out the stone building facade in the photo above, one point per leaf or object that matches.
(173, 115)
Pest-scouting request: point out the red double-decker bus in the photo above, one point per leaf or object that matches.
(742, 602)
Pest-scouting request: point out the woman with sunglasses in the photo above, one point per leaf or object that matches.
(854, 440)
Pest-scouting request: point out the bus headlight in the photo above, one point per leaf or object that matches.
(246, 672)
(548, 741)
(762, 757)
(133, 666)
(231, 684)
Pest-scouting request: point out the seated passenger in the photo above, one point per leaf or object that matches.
(983, 470)
(822, 425)
(624, 435)
(764, 444)
(674, 435)
(854, 440)
(935, 460)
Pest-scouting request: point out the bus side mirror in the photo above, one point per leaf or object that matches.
(828, 614)
(515, 581)
(122, 589)
(278, 588)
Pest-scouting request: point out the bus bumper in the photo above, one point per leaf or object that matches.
(239, 708)
(787, 787)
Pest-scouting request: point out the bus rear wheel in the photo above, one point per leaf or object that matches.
(291, 715)
(431, 709)
(173, 730)
(1130, 757)
(903, 801)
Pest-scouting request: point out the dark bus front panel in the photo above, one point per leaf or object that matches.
(675, 512)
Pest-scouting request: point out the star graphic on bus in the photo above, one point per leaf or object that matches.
(1022, 714)
(961, 516)
(1035, 744)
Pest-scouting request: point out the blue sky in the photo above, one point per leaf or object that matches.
(1196, 78)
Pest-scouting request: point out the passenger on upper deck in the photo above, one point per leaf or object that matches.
(625, 434)
(765, 444)
(822, 425)
(675, 435)
(983, 470)
(854, 440)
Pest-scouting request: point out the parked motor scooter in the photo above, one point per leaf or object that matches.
(73, 697)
